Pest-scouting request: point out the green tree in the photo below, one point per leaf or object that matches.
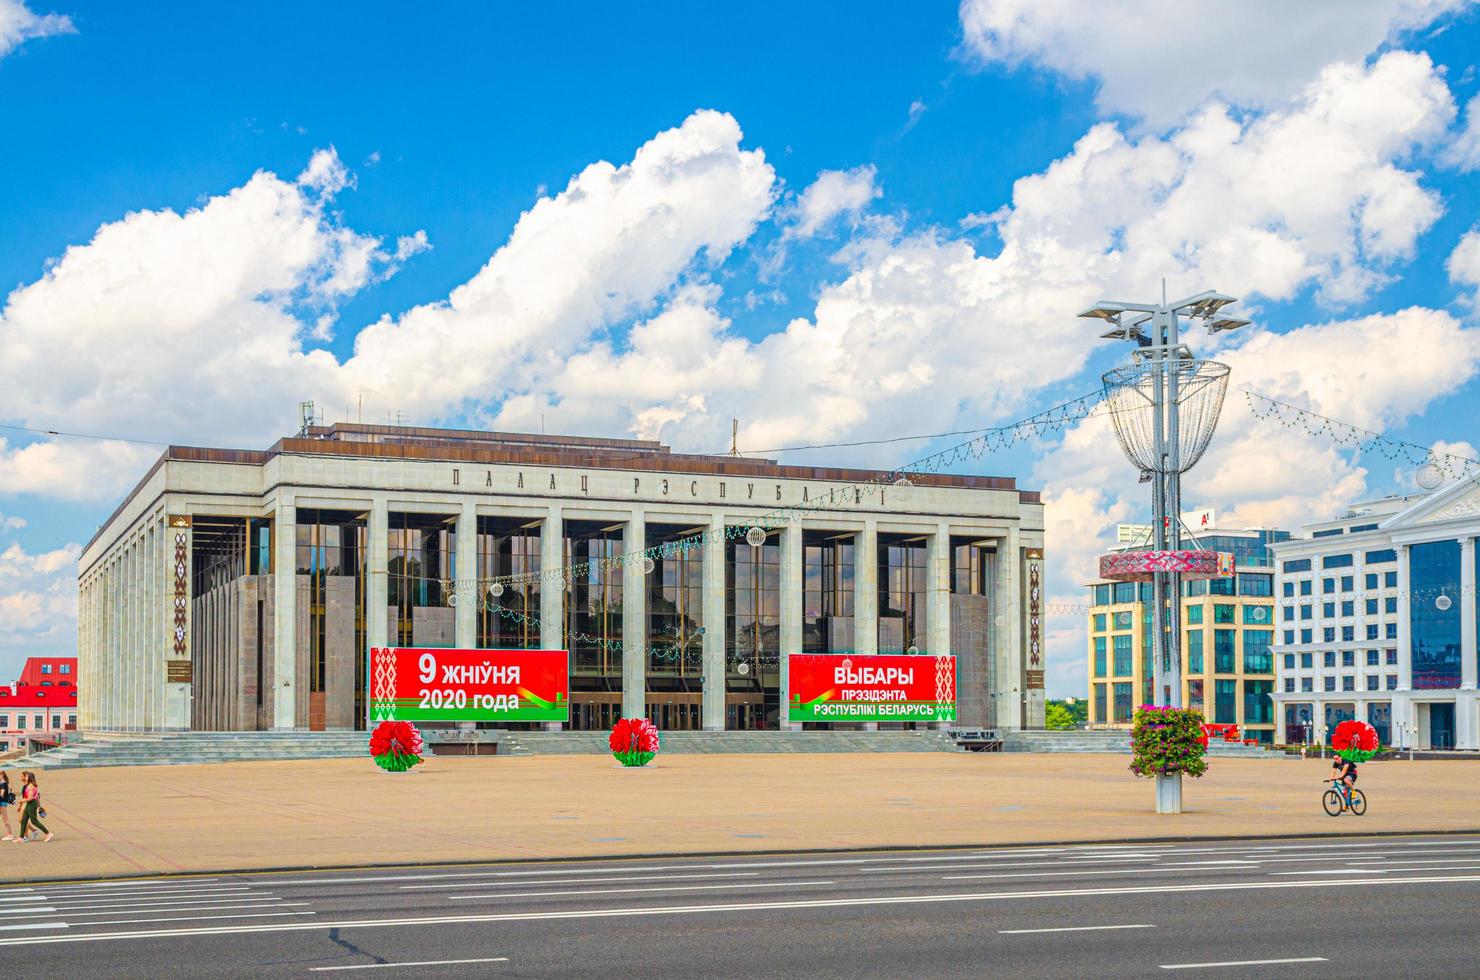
(1058, 718)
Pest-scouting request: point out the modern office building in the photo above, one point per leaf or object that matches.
(240, 590)
(1377, 621)
(1227, 635)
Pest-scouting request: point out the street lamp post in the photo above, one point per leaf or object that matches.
(1169, 362)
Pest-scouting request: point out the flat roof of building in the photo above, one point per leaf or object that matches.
(355, 439)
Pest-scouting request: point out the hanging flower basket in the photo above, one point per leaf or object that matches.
(1355, 741)
(634, 741)
(396, 746)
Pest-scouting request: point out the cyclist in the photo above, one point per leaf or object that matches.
(1347, 773)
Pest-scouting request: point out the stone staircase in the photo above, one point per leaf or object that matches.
(191, 748)
(195, 748)
(1113, 742)
(698, 743)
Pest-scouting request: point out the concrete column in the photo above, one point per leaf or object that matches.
(465, 618)
(634, 617)
(1467, 603)
(285, 616)
(377, 571)
(1405, 633)
(791, 612)
(938, 597)
(552, 589)
(866, 589)
(715, 548)
(1008, 654)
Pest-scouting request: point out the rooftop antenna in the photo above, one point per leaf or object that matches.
(734, 437)
(362, 406)
(305, 417)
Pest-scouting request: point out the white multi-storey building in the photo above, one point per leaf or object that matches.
(1376, 620)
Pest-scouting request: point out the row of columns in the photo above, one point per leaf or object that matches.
(125, 618)
(124, 623)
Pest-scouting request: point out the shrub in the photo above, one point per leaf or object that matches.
(1166, 741)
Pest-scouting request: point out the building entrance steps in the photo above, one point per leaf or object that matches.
(187, 748)
(1115, 742)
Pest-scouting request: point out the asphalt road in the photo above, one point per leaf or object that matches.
(1401, 906)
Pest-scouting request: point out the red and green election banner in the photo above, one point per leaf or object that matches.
(871, 687)
(426, 684)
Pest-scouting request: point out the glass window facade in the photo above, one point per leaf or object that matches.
(1099, 643)
(1257, 657)
(827, 592)
(1125, 592)
(1102, 595)
(1122, 703)
(1258, 615)
(675, 597)
(1223, 614)
(1225, 702)
(901, 595)
(593, 606)
(331, 544)
(1100, 704)
(1194, 651)
(1223, 651)
(1255, 584)
(753, 612)
(510, 550)
(1121, 645)
(420, 573)
(1434, 614)
(1194, 615)
(1258, 708)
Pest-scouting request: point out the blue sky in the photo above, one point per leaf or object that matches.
(867, 207)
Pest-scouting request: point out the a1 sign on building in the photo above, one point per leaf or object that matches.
(871, 687)
(426, 684)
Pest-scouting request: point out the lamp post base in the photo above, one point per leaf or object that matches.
(1169, 793)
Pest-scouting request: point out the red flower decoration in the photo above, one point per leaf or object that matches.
(396, 745)
(1355, 741)
(634, 741)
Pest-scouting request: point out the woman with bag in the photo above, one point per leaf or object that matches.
(31, 807)
(7, 799)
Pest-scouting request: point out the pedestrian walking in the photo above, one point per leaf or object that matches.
(7, 800)
(31, 809)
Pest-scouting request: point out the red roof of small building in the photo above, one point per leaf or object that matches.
(42, 688)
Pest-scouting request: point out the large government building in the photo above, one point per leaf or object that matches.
(242, 590)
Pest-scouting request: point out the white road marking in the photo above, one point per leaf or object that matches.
(1200, 864)
(35, 925)
(1018, 932)
(208, 908)
(1201, 966)
(376, 966)
(583, 881)
(165, 903)
(1081, 874)
(193, 918)
(618, 913)
(1413, 860)
(1068, 866)
(126, 883)
(1330, 871)
(633, 891)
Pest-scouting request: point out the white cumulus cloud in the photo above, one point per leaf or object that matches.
(1160, 59)
(834, 193)
(19, 23)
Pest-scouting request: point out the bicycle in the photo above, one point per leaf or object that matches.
(1339, 798)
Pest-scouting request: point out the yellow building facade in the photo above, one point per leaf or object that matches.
(1227, 665)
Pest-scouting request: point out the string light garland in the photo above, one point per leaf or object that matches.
(837, 498)
(1364, 441)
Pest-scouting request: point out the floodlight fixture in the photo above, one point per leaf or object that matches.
(1227, 323)
(1104, 311)
(1204, 304)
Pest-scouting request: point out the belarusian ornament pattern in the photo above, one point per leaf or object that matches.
(182, 592)
(945, 689)
(382, 684)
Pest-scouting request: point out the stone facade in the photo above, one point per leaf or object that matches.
(253, 642)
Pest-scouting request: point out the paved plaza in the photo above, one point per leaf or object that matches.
(346, 812)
